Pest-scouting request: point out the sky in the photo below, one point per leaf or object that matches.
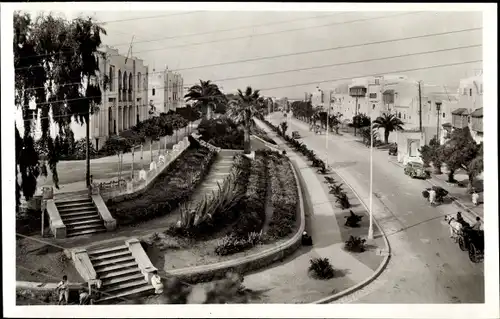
(175, 39)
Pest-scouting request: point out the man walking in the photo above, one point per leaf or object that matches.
(432, 196)
(63, 290)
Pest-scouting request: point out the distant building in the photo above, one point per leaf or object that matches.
(166, 90)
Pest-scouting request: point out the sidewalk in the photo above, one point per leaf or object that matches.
(289, 281)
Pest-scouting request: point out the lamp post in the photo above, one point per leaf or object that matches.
(438, 108)
(327, 128)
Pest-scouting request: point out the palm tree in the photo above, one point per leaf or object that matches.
(207, 95)
(247, 105)
(390, 123)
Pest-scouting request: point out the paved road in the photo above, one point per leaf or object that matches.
(426, 265)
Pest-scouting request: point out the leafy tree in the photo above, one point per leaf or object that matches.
(458, 152)
(360, 120)
(390, 123)
(242, 109)
(56, 69)
(334, 122)
(476, 166)
(206, 95)
(365, 133)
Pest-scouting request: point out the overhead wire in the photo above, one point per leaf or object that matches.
(250, 36)
(228, 30)
(302, 84)
(149, 17)
(313, 67)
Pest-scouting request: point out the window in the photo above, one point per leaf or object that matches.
(444, 115)
(373, 107)
(373, 95)
(153, 91)
(111, 77)
(481, 88)
(404, 116)
(470, 92)
(377, 81)
(465, 91)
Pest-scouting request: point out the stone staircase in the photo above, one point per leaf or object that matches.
(119, 272)
(218, 171)
(80, 216)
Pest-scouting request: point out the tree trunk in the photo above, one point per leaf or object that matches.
(451, 173)
(386, 136)
(87, 151)
(437, 168)
(209, 112)
(246, 140)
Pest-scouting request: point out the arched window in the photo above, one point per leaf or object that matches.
(130, 87)
(139, 81)
(119, 80)
(124, 81)
(111, 78)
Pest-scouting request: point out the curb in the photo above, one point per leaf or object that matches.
(376, 273)
(456, 201)
(247, 263)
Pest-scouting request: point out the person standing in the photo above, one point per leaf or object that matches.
(478, 224)
(432, 196)
(63, 290)
(475, 198)
(156, 282)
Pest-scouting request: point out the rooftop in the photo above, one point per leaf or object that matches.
(477, 113)
(460, 111)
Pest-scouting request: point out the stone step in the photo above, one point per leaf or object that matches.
(78, 212)
(106, 262)
(86, 232)
(84, 226)
(107, 250)
(122, 266)
(125, 286)
(72, 204)
(126, 295)
(87, 217)
(95, 220)
(73, 201)
(117, 253)
(108, 282)
(71, 209)
(120, 273)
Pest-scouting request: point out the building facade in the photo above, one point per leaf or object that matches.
(125, 101)
(166, 91)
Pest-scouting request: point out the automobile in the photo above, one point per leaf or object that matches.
(393, 149)
(295, 135)
(415, 170)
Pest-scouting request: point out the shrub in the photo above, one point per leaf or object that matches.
(343, 200)
(321, 268)
(425, 194)
(336, 189)
(254, 203)
(231, 244)
(355, 244)
(171, 188)
(221, 132)
(330, 180)
(284, 196)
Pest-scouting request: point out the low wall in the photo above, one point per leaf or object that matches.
(142, 259)
(83, 264)
(249, 263)
(56, 224)
(144, 179)
(109, 221)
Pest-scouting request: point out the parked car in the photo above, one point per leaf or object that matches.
(415, 170)
(393, 149)
(295, 135)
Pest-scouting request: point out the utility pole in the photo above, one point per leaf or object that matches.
(355, 114)
(327, 128)
(419, 106)
(438, 108)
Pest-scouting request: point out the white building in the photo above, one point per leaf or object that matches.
(166, 90)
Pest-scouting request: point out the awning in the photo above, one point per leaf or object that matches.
(460, 111)
(477, 113)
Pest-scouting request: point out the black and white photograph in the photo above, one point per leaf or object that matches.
(252, 159)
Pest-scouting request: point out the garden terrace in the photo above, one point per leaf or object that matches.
(168, 191)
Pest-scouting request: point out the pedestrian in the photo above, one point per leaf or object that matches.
(306, 239)
(84, 297)
(478, 224)
(63, 290)
(432, 196)
(475, 198)
(156, 282)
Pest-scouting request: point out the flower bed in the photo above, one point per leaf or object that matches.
(284, 196)
(218, 209)
(168, 191)
(253, 211)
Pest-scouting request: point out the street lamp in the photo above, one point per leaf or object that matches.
(327, 129)
(370, 228)
(438, 108)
